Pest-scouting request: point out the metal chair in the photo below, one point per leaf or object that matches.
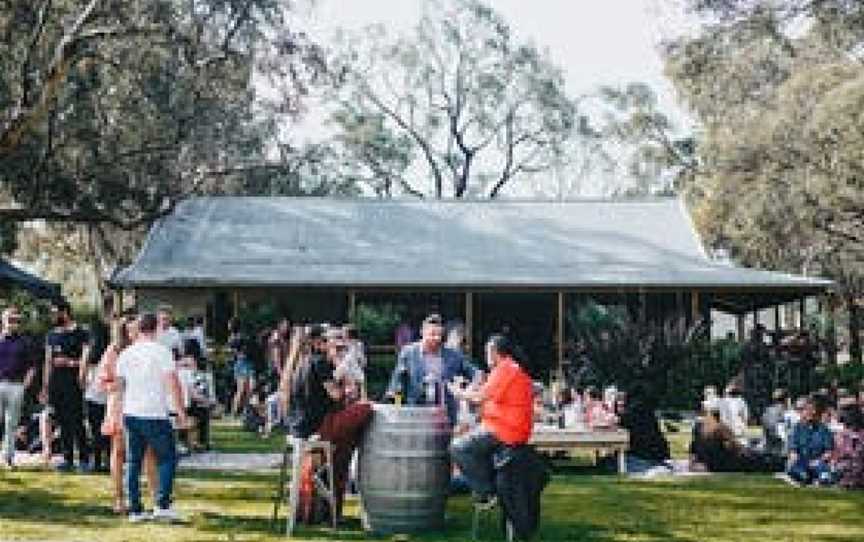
(292, 458)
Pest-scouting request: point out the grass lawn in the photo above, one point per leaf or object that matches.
(229, 506)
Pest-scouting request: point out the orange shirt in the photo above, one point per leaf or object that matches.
(508, 411)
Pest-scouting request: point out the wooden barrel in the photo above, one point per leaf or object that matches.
(404, 469)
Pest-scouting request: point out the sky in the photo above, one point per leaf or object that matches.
(596, 42)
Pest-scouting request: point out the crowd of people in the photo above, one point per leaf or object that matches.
(815, 439)
(143, 392)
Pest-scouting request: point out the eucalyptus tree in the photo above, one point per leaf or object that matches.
(778, 90)
(111, 111)
(460, 98)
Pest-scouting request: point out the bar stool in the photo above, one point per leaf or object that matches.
(487, 510)
(292, 458)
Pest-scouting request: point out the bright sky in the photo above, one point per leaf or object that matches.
(595, 41)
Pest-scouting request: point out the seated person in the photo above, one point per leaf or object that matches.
(772, 423)
(715, 446)
(427, 365)
(597, 414)
(637, 414)
(810, 447)
(316, 406)
(506, 416)
(847, 460)
(734, 412)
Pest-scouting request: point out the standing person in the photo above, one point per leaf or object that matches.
(427, 365)
(95, 396)
(195, 330)
(316, 406)
(66, 353)
(148, 378)
(166, 334)
(18, 360)
(506, 416)
(244, 369)
(124, 332)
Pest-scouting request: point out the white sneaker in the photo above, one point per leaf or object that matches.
(166, 514)
(138, 517)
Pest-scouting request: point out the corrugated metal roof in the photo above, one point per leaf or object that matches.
(245, 241)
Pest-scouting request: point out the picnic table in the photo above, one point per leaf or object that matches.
(551, 438)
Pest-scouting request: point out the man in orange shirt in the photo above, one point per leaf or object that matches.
(506, 416)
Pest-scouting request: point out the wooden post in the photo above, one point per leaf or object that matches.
(236, 300)
(831, 338)
(560, 369)
(777, 325)
(469, 322)
(755, 317)
(118, 303)
(695, 311)
(802, 310)
(352, 305)
(741, 336)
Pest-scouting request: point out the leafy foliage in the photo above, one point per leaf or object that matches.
(112, 111)
(377, 323)
(778, 88)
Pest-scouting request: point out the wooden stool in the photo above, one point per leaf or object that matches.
(292, 458)
(484, 509)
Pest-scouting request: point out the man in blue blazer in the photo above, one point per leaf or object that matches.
(428, 360)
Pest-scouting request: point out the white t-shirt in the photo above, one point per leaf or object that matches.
(170, 338)
(734, 413)
(142, 367)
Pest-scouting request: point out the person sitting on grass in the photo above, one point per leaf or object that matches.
(716, 448)
(772, 422)
(847, 460)
(810, 447)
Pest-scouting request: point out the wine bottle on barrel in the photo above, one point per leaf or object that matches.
(402, 392)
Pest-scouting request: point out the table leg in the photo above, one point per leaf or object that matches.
(622, 461)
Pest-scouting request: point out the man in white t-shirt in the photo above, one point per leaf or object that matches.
(149, 381)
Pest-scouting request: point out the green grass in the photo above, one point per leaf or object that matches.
(230, 506)
(229, 437)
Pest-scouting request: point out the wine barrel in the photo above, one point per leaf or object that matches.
(404, 468)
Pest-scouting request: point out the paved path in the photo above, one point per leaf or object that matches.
(200, 461)
(222, 461)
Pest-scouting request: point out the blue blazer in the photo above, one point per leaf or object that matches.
(411, 358)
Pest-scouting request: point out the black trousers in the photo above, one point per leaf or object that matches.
(101, 443)
(68, 402)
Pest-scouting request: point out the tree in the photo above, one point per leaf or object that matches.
(779, 183)
(654, 160)
(112, 111)
(479, 109)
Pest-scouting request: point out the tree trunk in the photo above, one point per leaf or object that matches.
(854, 329)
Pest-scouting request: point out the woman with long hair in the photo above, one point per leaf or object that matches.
(124, 332)
(298, 352)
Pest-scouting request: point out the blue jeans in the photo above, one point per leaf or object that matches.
(806, 471)
(472, 453)
(159, 435)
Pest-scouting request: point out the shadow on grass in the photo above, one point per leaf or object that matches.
(39, 505)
